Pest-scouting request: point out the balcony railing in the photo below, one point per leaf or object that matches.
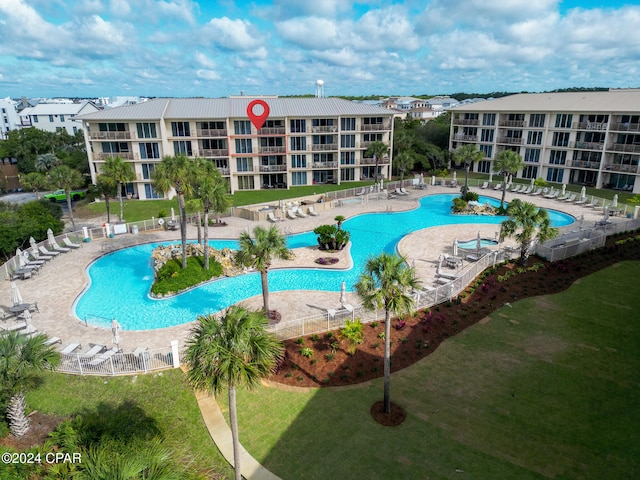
(512, 123)
(325, 129)
(325, 165)
(110, 135)
(273, 149)
(511, 140)
(591, 126)
(372, 161)
(124, 155)
(467, 138)
(616, 167)
(212, 132)
(323, 147)
(467, 121)
(587, 145)
(371, 127)
(214, 152)
(626, 127)
(620, 147)
(271, 131)
(583, 164)
(273, 168)
(224, 170)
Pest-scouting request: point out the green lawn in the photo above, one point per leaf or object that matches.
(547, 388)
(164, 397)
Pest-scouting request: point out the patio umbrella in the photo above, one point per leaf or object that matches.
(490, 176)
(439, 264)
(343, 293)
(27, 320)
(421, 178)
(16, 296)
(564, 188)
(532, 181)
(115, 330)
(583, 193)
(455, 176)
(32, 242)
(173, 215)
(615, 201)
(455, 247)
(478, 244)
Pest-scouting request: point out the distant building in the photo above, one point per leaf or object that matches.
(305, 141)
(9, 119)
(583, 138)
(53, 116)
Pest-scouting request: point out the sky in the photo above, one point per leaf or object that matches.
(184, 48)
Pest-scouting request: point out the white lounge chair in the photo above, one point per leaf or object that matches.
(291, 215)
(593, 204)
(44, 251)
(70, 244)
(57, 248)
(516, 189)
(72, 347)
(537, 192)
(96, 349)
(51, 340)
(485, 185)
(497, 186)
(312, 212)
(272, 218)
(13, 327)
(553, 195)
(570, 198)
(527, 191)
(403, 191)
(299, 213)
(361, 192)
(36, 255)
(582, 201)
(103, 357)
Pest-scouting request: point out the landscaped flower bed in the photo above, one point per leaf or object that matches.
(326, 260)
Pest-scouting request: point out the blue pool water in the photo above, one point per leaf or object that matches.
(120, 281)
(484, 242)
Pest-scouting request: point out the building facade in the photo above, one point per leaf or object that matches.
(9, 118)
(582, 138)
(53, 116)
(304, 141)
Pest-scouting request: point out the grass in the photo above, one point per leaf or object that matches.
(164, 397)
(546, 388)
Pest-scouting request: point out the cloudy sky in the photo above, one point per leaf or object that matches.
(91, 48)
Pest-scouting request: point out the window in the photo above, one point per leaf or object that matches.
(347, 141)
(183, 147)
(537, 120)
(243, 145)
(62, 118)
(347, 158)
(322, 157)
(487, 150)
(180, 129)
(150, 192)
(484, 166)
(214, 144)
(149, 150)
(324, 139)
(112, 127)
(242, 127)
(298, 126)
(563, 120)
(532, 155)
(147, 169)
(347, 174)
(488, 119)
(298, 161)
(115, 147)
(530, 171)
(560, 139)
(245, 183)
(298, 143)
(372, 120)
(534, 138)
(146, 130)
(486, 135)
(272, 141)
(347, 124)
(372, 137)
(51, 118)
(35, 119)
(244, 164)
(298, 178)
(75, 130)
(322, 122)
(212, 125)
(557, 157)
(555, 175)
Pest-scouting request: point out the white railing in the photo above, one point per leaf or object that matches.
(117, 364)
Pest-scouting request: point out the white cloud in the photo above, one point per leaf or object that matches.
(120, 8)
(204, 61)
(232, 34)
(207, 75)
(310, 32)
(282, 9)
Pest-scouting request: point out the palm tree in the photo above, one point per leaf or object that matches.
(22, 358)
(377, 150)
(120, 172)
(339, 220)
(527, 223)
(177, 173)
(46, 162)
(404, 161)
(259, 252)
(508, 162)
(35, 181)
(467, 155)
(211, 191)
(108, 188)
(233, 350)
(67, 179)
(385, 283)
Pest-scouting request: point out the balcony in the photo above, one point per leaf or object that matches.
(215, 152)
(273, 149)
(625, 127)
(511, 140)
(325, 129)
(271, 131)
(467, 121)
(623, 147)
(325, 165)
(465, 138)
(583, 164)
(587, 145)
(591, 126)
(512, 123)
(123, 155)
(272, 168)
(323, 147)
(374, 127)
(224, 171)
(617, 167)
(372, 161)
(212, 133)
(110, 135)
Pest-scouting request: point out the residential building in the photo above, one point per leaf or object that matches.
(582, 138)
(53, 116)
(304, 141)
(9, 117)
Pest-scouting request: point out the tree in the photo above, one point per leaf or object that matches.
(339, 219)
(404, 161)
(233, 350)
(46, 162)
(527, 223)
(35, 181)
(385, 284)
(22, 358)
(119, 172)
(259, 252)
(467, 155)
(67, 179)
(377, 150)
(177, 173)
(108, 188)
(508, 162)
(211, 190)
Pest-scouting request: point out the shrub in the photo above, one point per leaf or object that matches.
(315, 337)
(172, 278)
(352, 332)
(306, 352)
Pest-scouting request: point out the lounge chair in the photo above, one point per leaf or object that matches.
(44, 251)
(398, 192)
(291, 215)
(96, 349)
(312, 212)
(537, 192)
(570, 198)
(361, 192)
(103, 357)
(70, 244)
(553, 195)
(472, 258)
(14, 327)
(497, 186)
(527, 191)
(485, 185)
(51, 340)
(593, 204)
(72, 347)
(516, 189)
(299, 213)
(272, 218)
(403, 191)
(582, 201)
(36, 255)
(57, 248)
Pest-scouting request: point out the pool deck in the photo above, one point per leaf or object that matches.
(61, 280)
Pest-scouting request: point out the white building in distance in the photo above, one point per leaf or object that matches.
(53, 116)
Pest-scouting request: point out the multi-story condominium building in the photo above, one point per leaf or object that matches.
(584, 138)
(9, 118)
(304, 141)
(53, 116)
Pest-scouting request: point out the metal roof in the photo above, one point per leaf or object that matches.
(588, 102)
(214, 108)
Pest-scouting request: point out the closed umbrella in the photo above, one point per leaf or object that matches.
(478, 245)
(532, 181)
(16, 296)
(583, 193)
(439, 264)
(173, 215)
(455, 176)
(455, 247)
(564, 188)
(343, 294)
(29, 324)
(115, 330)
(615, 201)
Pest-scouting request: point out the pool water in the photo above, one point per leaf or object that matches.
(484, 242)
(120, 281)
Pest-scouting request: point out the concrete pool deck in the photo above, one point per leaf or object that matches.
(62, 279)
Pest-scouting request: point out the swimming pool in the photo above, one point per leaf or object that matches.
(120, 281)
(472, 244)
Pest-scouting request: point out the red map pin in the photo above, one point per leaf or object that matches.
(259, 118)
